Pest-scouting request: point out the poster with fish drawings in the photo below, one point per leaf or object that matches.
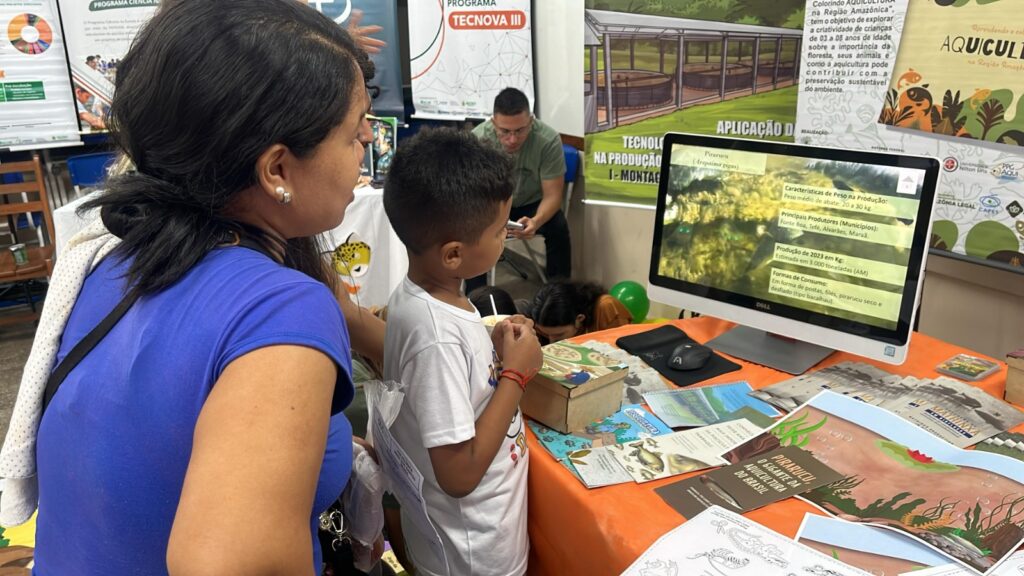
(851, 53)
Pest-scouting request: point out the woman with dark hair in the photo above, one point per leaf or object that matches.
(562, 310)
(203, 433)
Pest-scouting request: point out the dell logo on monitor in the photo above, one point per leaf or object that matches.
(763, 305)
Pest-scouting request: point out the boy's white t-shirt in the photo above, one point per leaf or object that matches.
(446, 362)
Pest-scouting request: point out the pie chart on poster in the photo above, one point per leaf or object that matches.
(30, 34)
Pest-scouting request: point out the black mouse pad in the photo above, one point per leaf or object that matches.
(655, 346)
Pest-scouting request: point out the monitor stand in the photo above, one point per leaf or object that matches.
(760, 347)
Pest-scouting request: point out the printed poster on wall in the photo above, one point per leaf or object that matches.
(960, 71)
(463, 52)
(36, 106)
(99, 33)
(849, 58)
(728, 68)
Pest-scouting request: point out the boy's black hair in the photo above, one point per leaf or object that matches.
(510, 102)
(445, 185)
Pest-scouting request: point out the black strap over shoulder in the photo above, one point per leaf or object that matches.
(84, 347)
(93, 338)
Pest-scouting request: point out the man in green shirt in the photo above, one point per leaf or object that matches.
(540, 178)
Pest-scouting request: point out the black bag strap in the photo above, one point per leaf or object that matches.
(84, 347)
(93, 338)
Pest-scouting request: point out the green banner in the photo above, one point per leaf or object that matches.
(725, 69)
(22, 91)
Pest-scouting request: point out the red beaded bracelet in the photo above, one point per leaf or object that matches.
(515, 376)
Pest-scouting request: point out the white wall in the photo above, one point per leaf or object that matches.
(558, 57)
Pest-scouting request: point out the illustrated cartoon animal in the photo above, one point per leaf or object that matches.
(917, 103)
(910, 77)
(351, 260)
(660, 568)
(1006, 170)
(979, 97)
(723, 557)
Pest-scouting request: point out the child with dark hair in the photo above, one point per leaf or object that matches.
(562, 310)
(448, 198)
(491, 301)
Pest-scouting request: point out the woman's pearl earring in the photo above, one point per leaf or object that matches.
(283, 196)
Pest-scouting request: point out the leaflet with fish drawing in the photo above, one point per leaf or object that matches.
(966, 504)
(876, 550)
(660, 456)
(717, 542)
(1013, 566)
(680, 452)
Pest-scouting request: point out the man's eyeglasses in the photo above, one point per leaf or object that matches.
(505, 132)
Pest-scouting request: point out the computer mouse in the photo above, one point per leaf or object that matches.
(689, 356)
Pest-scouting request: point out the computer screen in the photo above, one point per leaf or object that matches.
(823, 245)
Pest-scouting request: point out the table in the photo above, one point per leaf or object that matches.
(378, 260)
(574, 530)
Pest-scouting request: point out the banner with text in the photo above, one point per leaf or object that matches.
(36, 105)
(101, 31)
(722, 68)
(463, 52)
(850, 55)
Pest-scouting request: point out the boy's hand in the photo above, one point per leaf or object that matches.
(518, 321)
(520, 349)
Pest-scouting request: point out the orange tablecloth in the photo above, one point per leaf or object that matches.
(574, 530)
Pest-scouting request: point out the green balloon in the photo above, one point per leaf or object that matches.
(634, 297)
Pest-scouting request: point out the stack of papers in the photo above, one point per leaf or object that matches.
(959, 413)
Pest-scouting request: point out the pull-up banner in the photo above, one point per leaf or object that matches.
(463, 52)
(99, 33)
(36, 107)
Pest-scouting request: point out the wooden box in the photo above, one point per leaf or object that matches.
(1015, 377)
(575, 387)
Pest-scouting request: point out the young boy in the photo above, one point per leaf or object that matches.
(448, 197)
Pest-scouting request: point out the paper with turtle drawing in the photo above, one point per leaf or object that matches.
(717, 542)
(966, 504)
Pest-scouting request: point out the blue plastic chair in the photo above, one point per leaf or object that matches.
(572, 167)
(89, 170)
